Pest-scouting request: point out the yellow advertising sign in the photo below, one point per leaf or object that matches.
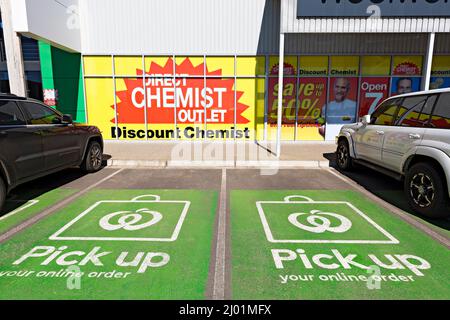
(313, 65)
(344, 66)
(222, 66)
(407, 65)
(100, 102)
(375, 65)
(251, 66)
(184, 107)
(128, 66)
(441, 66)
(98, 66)
(290, 66)
(154, 66)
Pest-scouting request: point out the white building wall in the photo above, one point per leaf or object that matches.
(213, 27)
(54, 21)
(290, 23)
(173, 26)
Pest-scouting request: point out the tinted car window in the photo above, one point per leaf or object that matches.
(10, 114)
(441, 114)
(415, 111)
(40, 114)
(385, 114)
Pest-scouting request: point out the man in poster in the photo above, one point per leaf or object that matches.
(404, 85)
(342, 109)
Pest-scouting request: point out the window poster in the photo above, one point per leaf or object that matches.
(440, 72)
(372, 91)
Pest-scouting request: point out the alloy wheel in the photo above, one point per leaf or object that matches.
(95, 157)
(342, 156)
(422, 190)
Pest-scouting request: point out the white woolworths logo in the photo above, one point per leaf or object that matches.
(124, 222)
(138, 220)
(316, 224)
(320, 223)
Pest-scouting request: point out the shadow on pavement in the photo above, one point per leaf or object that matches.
(33, 189)
(384, 187)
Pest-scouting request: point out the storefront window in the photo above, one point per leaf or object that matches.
(220, 66)
(320, 93)
(98, 66)
(375, 83)
(4, 82)
(289, 106)
(159, 66)
(128, 66)
(407, 72)
(101, 108)
(440, 72)
(375, 65)
(312, 99)
(34, 84)
(250, 66)
(313, 66)
(131, 107)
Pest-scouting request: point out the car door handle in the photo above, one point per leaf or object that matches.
(380, 133)
(3, 134)
(414, 136)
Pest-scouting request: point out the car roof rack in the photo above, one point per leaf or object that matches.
(11, 96)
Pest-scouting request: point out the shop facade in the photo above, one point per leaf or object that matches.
(194, 70)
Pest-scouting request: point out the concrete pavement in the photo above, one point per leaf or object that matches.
(218, 154)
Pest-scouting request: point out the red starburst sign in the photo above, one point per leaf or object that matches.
(185, 97)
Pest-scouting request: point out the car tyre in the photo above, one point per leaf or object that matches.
(2, 193)
(343, 158)
(426, 191)
(93, 159)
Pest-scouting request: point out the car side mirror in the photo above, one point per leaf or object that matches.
(67, 119)
(365, 120)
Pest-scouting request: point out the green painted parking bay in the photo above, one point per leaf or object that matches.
(115, 244)
(329, 244)
(19, 210)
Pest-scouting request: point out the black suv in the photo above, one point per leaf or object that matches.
(36, 140)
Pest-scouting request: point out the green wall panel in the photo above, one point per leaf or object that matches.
(62, 70)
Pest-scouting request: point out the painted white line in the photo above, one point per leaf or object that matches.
(54, 208)
(271, 238)
(172, 238)
(137, 163)
(394, 210)
(219, 272)
(22, 208)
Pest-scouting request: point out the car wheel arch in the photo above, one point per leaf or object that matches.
(88, 141)
(5, 175)
(422, 156)
(349, 140)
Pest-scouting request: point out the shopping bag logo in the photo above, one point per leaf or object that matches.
(320, 223)
(144, 218)
(299, 219)
(129, 224)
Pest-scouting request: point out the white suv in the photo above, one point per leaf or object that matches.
(407, 137)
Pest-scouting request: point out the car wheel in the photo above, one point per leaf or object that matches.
(343, 158)
(2, 193)
(94, 158)
(426, 191)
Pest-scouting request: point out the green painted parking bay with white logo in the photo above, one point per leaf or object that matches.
(18, 210)
(329, 244)
(115, 244)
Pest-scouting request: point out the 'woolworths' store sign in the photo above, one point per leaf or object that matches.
(365, 8)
